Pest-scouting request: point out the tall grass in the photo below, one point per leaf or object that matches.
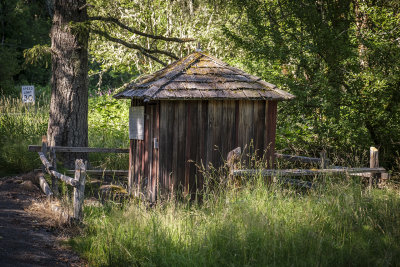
(20, 125)
(337, 224)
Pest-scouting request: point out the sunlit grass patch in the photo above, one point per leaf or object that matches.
(258, 225)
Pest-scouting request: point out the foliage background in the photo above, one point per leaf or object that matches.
(340, 58)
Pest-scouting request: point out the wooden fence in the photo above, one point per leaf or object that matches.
(374, 172)
(78, 182)
(62, 149)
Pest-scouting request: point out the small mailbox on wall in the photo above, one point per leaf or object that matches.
(136, 123)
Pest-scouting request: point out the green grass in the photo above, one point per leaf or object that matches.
(20, 127)
(338, 224)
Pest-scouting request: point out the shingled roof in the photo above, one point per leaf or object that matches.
(201, 76)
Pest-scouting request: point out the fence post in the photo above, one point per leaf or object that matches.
(323, 159)
(373, 163)
(232, 160)
(44, 150)
(53, 161)
(79, 190)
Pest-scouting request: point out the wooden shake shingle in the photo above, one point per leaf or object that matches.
(202, 77)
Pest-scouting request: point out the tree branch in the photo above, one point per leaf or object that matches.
(158, 37)
(154, 58)
(143, 50)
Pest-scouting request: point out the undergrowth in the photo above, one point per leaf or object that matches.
(339, 223)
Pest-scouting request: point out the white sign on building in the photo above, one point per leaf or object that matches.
(28, 94)
(136, 123)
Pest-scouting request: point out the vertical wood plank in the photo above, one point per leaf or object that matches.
(210, 126)
(230, 132)
(131, 164)
(242, 127)
(271, 128)
(136, 168)
(163, 145)
(237, 119)
(149, 149)
(170, 133)
(175, 150)
(223, 127)
(189, 137)
(181, 125)
(199, 141)
(249, 124)
(246, 127)
(259, 127)
(145, 152)
(266, 134)
(156, 135)
(213, 146)
(201, 157)
(193, 128)
(131, 167)
(219, 132)
(139, 160)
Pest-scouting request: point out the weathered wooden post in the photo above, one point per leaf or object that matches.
(324, 161)
(232, 160)
(44, 151)
(53, 161)
(79, 189)
(373, 163)
(45, 187)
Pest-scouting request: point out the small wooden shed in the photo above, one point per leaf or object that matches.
(192, 112)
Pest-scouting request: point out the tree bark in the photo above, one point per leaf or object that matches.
(68, 123)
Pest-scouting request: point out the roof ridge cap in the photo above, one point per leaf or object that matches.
(157, 87)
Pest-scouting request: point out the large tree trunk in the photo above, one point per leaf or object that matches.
(68, 123)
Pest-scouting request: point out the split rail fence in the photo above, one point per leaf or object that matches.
(374, 172)
(79, 179)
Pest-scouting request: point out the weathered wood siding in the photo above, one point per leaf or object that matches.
(143, 156)
(194, 133)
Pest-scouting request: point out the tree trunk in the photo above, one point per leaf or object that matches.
(68, 123)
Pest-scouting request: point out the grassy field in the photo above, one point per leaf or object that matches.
(338, 224)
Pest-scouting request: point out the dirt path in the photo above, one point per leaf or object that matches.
(26, 237)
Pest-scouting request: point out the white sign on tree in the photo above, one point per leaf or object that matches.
(28, 94)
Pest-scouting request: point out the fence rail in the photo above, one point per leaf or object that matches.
(51, 171)
(374, 172)
(302, 172)
(78, 182)
(104, 172)
(65, 149)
